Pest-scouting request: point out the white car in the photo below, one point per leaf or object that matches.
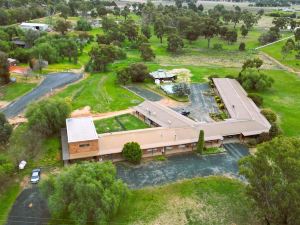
(35, 176)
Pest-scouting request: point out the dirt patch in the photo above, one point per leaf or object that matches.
(183, 75)
(85, 111)
(3, 104)
(172, 103)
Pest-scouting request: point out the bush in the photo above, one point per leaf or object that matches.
(242, 46)
(270, 115)
(160, 158)
(6, 168)
(83, 25)
(132, 152)
(258, 100)
(274, 130)
(210, 77)
(5, 129)
(218, 47)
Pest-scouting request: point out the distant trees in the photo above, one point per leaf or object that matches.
(95, 184)
(45, 52)
(48, 116)
(200, 144)
(273, 175)
(146, 31)
(5, 130)
(83, 25)
(271, 36)
(62, 26)
(287, 48)
(244, 30)
(125, 12)
(101, 55)
(175, 43)
(4, 69)
(210, 29)
(159, 29)
(132, 152)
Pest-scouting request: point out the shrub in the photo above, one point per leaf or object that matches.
(274, 130)
(270, 115)
(258, 100)
(242, 46)
(160, 158)
(132, 152)
(5, 129)
(200, 144)
(218, 47)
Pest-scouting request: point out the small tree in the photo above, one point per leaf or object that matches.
(200, 144)
(4, 68)
(125, 12)
(251, 79)
(83, 25)
(146, 31)
(147, 53)
(5, 129)
(244, 31)
(62, 26)
(242, 46)
(159, 29)
(123, 76)
(48, 116)
(270, 115)
(132, 152)
(138, 72)
(175, 43)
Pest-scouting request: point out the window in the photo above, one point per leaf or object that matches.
(84, 145)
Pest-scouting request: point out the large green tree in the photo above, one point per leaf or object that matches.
(62, 26)
(5, 129)
(85, 192)
(159, 29)
(175, 43)
(132, 152)
(273, 176)
(251, 79)
(4, 69)
(210, 29)
(48, 116)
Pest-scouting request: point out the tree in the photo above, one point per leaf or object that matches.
(109, 24)
(48, 116)
(6, 168)
(146, 31)
(181, 89)
(30, 36)
(101, 11)
(138, 72)
(210, 29)
(287, 48)
(200, 144)
(273, 175)
(117, 11)
(251, 79)
(130, 29)
(270, 115)
(147, 53)
(46, 52)
(191, 33)
(175, 43)
(83, 25)
(4, 69)
(249, 19)
(242, 46)
(159, 29)
(123, 76)
(125, 12)
(101, 55)
(95, 184)
(62, 26)
(244, 31)
(280, 22)
(5, 129)
(132, 152)
(231, 36)
(252, 63)
(297, 35)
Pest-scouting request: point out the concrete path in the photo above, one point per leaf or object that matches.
(274, 42)
(183, 166)
(51, 82)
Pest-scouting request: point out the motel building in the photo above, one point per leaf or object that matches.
(170, 132)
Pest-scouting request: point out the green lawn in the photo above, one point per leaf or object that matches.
(12, 91)
(7, 198)
(119, 123)
(275, 52)
(212, 200)
(101, 93)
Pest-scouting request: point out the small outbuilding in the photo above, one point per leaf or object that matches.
(35, 26)
(162, 76)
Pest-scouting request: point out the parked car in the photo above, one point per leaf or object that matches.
(35, 176)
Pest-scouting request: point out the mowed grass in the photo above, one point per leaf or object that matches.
(274, 51)
(119, 123)
(100, 92)
(12, 91)
(7, 199)
(212, 200)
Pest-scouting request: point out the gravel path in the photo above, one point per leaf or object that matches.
(51, 82)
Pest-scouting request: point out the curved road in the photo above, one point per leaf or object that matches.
(51, 82)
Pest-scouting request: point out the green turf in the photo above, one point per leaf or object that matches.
(101, 93)
(213, 200)
(7, 199)
(119, 123)
(12, 91)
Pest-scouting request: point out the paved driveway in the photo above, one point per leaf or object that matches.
(51, 82)
(29, 208)
(145, 93)
(201, 103)
(183, 166)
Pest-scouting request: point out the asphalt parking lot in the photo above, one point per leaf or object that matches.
(51, 82)
(183, 166)
(201, 104)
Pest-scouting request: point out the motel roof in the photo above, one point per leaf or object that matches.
(161, 74)
(81, 129)
(162, 115)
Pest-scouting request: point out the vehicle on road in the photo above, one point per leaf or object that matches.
(35, 176)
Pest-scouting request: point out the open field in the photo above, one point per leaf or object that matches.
(119, 123)
(14, 90)
(212, 200)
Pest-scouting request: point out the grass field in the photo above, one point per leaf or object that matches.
(14, 90)
(275, 52)
(119, 123)
(205, 201)
(101, 93)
